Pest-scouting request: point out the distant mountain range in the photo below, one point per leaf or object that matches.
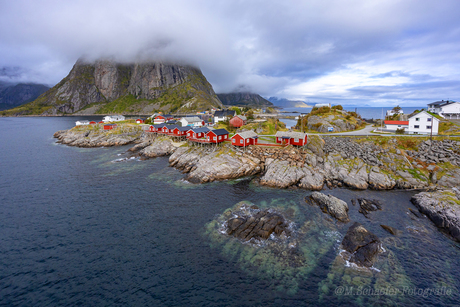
(244, 99)
(13, 95)
(285, 103)
(108, 87)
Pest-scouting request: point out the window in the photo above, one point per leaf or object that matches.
(399, 126)
(241, 141)
(214, 138)
(428, 127)
(233, 141)
(220, 138)
(296, 140)
(428, 119)
(225, 137)
(416, 126)
(417, 119)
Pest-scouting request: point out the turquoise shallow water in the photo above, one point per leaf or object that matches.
(78, 228)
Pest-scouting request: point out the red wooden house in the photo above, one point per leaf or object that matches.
(217, 136)
(140, 120)
(197, 133)
(245, 138)
(159, 119)
(238, 121)
(110, 126)
(291, 138)
(101, 122)
(92, 122)
(181, 131)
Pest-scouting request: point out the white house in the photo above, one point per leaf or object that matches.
(220, 116)
(423, 123)
(446, 109)
(81, 122)
(113, 118)
(393, 125)
(191, 121)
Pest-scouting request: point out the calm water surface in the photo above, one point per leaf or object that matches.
(78, 228)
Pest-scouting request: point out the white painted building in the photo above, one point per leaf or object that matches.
(447, 109)
(81, 122)
(393, 125)
(220, 116)
(423, 123)
(191, 121)
(113, 118)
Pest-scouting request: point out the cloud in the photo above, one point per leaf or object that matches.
(334, 50)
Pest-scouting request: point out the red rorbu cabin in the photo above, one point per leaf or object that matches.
(217, 136)
(140, 120)
(238, 121)
(291, 138)
(92, 122)
(245, 138)
(197, 133)
(101, 122)
(110, 126)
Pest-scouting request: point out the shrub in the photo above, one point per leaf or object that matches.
(337, 107)
(400, 131)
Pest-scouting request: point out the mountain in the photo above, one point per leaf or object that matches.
(244, 99)
(13, 95)
(285, 103)
(108, 87)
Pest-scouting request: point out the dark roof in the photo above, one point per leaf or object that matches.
(202, 129)
(224, 113)
(171, 127)
(159, 125)
(171, 121)
(186, 128)
(219, 131)
(441, 103)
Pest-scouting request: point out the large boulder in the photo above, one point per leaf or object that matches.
(313, 180)
(380, 181)
(441, 207)
(331, 205)
(357, 179)
(258, 226)
(361, 245)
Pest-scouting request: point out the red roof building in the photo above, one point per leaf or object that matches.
(238, 121)
(245, 138)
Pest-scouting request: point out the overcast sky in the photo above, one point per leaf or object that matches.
(370, 52)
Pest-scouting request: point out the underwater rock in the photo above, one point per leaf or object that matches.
(362, 245)
(258, 225)
(288, 255)
(331, 205)
(390, 229)
(368, 205)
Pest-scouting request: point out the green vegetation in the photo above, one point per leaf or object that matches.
(270, 126)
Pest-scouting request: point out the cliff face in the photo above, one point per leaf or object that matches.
(244, 99)
(107, 87)
(13, 95)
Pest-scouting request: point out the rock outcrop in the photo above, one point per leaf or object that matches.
(206, 165)
(331, 205)
(112, 87)
(257, 225)
(95, 137)
(161, 146)
(361, 245)
(442, 208)
(368, 205)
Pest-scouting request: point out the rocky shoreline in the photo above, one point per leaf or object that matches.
(330, 162)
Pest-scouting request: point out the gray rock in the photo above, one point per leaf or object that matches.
(361, 245)
(442, 208)
(332, 205)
